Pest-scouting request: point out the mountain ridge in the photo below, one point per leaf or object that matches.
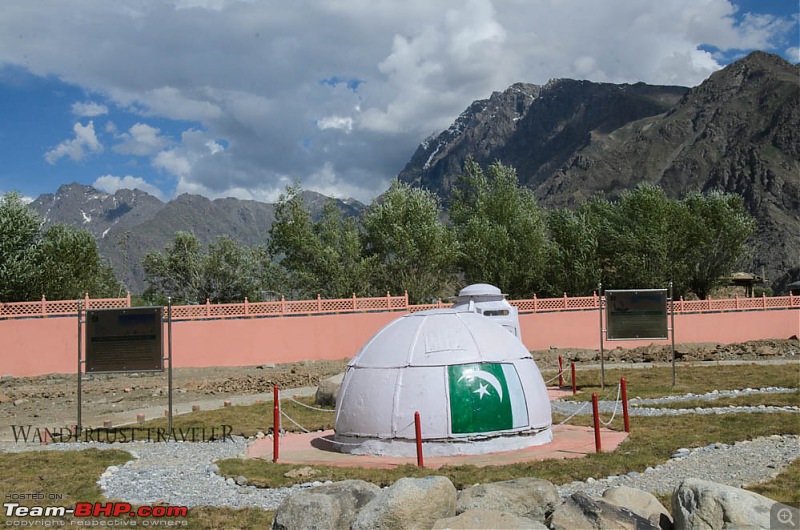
(738, 132)
(129, 223)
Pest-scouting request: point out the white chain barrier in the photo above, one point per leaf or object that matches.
(574, 413)
(616, 406)
(306, 430)
(309, 406)
(296, 424)
(560, 373)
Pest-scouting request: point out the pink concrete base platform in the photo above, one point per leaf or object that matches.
(316, 448)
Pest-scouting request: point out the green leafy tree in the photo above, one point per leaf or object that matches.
(19, 253)
(715, 232)
(225, 272)
(60, 262)
(500, 229)
(70, 264)
(573, 264)
(646, 240)
(640, 239)
(345, 267)
(414, 249)
(232, 272)
(324, 257)
(176, 273)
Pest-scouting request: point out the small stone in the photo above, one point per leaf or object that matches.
(301, 472)
(260, 435)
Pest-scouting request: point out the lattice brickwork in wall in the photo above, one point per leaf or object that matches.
(320, 306)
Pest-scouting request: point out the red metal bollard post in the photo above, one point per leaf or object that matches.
(418, 429)
(596, 414)
(276, 423)
(625, 415)
(574, 382)
(560, 372)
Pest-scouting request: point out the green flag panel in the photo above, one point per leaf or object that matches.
(485, 397)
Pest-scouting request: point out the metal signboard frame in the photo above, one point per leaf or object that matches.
(124, 340)
(625, 314)
(637, 314)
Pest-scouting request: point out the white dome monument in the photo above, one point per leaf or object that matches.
(476, 387)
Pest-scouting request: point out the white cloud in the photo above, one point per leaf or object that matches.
(335, 122)
(141, 140)
(85, 139)
(794, 54)
(249, 75)
(89, 109)
(111, 183)
(195, 148)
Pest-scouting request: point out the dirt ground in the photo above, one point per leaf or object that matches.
(51, 400)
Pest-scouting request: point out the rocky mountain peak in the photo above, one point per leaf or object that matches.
(95, 210)
(738, 131)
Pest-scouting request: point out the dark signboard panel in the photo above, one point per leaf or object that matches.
(637, 314)
(124, 340)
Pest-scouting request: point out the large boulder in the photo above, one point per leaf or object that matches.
(329, 506)
(526, 497)
(409, 503)
(581, 511)
(327, 390)
(482, 519)
(641, 503)
(700, 504)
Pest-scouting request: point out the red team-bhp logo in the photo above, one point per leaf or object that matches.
(95, 509)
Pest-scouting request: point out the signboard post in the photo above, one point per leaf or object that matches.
(124, 340)
(638, 314)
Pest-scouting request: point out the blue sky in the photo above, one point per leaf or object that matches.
(239, 98)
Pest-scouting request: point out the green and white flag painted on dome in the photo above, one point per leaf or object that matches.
(485, 397)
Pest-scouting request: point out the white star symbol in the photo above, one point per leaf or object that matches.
(481, 390)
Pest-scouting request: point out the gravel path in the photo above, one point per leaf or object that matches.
(176, 473)
(740, 464)
(636, 409)
(185, 473)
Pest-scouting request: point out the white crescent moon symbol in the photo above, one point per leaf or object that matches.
(486, 376)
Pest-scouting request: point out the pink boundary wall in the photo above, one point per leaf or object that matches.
(40, 346)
